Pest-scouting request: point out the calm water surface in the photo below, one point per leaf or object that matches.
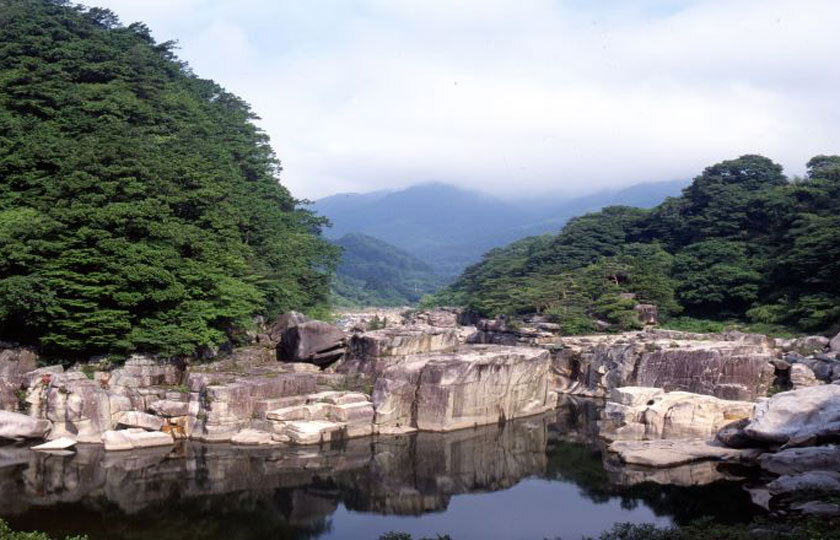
(540, 477)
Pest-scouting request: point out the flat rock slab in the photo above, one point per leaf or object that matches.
(673, 452)
(62, 443)
(130, 439)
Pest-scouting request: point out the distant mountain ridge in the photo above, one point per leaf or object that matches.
(450, 228)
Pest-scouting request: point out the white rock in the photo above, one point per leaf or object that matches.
(797, 417)
(62, 443)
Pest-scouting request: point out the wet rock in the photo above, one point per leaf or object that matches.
(670, 453)
(799, 460)
(800, 417)
(16, 426)
(133, 438)
(471, 386)
(315, 342)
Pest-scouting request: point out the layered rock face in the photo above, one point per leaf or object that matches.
(732, 366)
(473, 386)
(371, 353)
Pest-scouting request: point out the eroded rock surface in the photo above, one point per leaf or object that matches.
(472, 386)
(729, 366)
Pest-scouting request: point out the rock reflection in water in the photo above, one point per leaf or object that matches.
(219, 491)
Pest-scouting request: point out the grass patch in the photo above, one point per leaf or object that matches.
(711, 326)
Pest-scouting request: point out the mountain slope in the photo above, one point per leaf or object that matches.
(375, 273)
(139, 204)
(450, 228)
(741, 242)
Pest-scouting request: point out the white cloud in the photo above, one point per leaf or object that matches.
(510, 97)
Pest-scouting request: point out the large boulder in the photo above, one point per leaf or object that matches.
(471, 386)
(16, 426)
(284, 322)
(800, 417)
(315, 342)
(648, 413)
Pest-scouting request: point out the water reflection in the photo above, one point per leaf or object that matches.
(355, 489)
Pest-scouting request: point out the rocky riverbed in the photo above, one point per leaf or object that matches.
(673, 399)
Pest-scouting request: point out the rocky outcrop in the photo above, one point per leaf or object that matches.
(16, 426)
(834, 344)
(472, 386)
(640, 413)
(803, 417)
(284, 322)
(731, 366)
(372, 352)
(15, 363)
(315, 342)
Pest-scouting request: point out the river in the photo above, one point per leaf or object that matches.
(533, 478)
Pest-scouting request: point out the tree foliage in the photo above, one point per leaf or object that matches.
(743, 241)
(139, 204)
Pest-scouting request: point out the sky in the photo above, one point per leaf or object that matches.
(516, 97)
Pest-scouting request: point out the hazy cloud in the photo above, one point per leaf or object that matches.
(505, 96)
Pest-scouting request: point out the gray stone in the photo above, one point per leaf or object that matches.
(62, 443)
(670, 453)
(472, 386)
(799, 460)
(16, 426)
(315, 342)
(801, 376)
(826, 481)
(800, 417)
(137, 419)
(834, 344)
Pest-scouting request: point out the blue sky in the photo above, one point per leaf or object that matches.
(515, 97)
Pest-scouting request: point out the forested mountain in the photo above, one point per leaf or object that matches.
(450, 228)
(742, 241)
(375, 273)
(139, 205)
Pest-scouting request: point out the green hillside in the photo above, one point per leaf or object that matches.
(375, 273)
(139, 204)
(742, 242)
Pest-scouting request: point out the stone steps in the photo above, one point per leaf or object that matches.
(323, 417)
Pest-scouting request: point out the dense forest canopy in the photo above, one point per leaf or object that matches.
(742, 241)
(375, 273)
(139, 204)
